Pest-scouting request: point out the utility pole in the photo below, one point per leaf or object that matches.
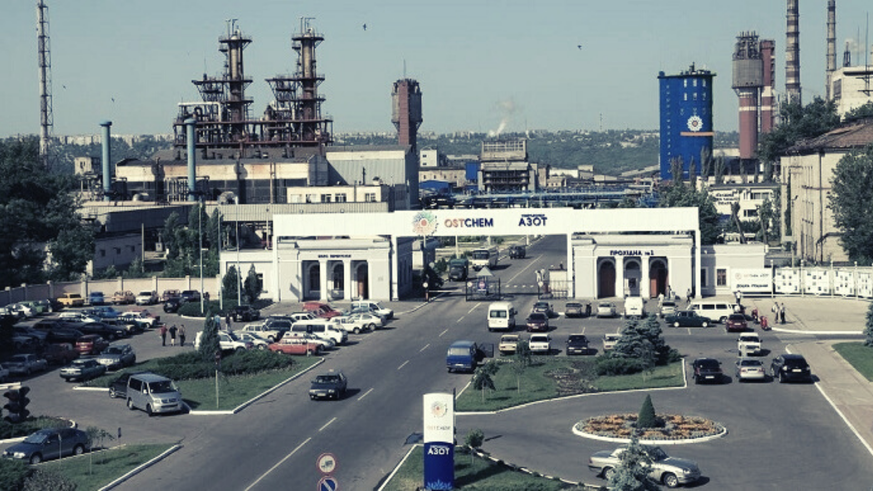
(44, 57)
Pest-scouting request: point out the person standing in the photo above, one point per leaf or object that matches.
(688, 296)
(182, 335)
(173, 335)
(782, 313)
(163, 332)
(227, 322)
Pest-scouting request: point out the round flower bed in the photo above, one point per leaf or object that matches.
(675, 428)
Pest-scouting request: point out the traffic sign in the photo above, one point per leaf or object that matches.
(327, 483)
(326, 463)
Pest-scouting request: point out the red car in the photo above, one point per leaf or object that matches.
(736, 323)
(60, 354)
(296, 346)
(537, 321)
(322, 310)
(91, 344)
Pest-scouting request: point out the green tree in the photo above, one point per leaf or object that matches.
(13, 473)
(209, 344)
(169, 235)
(253, 286)
(632, 473)
(521, 360)
(868, 328)
(859, 113)
(136, 269)
(798, 123)
(482, 377)
(647, 417)
(230, 285)
(71, 251)
(678, 194)
(851, 200)
(474, 440)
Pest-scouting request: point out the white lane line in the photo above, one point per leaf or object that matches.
(401, 366)
(461, 318)
(278, 464)
(365, 394)
(529, 264)
(327, 424)
(425, 347)
(474, 308)
(441, 334)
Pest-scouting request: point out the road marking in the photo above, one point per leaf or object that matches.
(441, 334)
(425, 347)
(401, 366)
(529, 264)
(461, 318)
(365, 394)
(474, 308)
(327, 424)
(278, 464)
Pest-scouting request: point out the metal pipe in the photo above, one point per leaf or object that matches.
(107, 172)
(192, 161)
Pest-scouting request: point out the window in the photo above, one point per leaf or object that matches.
(750, 213)
(370, 197)
(703, 278)
(720, 277)
(341, 198)
(102, 252)
(325, 198)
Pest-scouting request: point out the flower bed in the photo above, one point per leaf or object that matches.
(675, 427)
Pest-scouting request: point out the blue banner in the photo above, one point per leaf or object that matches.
(439, 466)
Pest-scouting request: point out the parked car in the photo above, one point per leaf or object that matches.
(357, 323)
(64, 335)
(578, 344)
(262, 331)
(517, 252)
(257, 342)
(322, 310)
(60, 353)
(82, 369)
(4, 373)
(91, 344)
(325, 343)
(22, 310)
(749, 344)
(544, 307)
(172, 304)
(105, 329)
(117, 356)
(750, 369)
(153, 393)
(370, 305)
(609, 340)
(707, 370)
(96, 298)
(575, 309)
(118, 387)
(143, 318)
(81, 317)
(508, 344)
(330, 385)
(688, 318)
(190, 296)
(789, 368)
(540, 344)
(51, 443)
(293, 345)
(24, 343)
(670, 471)
(123, 297)
(537, 321)
(71, 300)
(25, 364)
(668, 307)
(104, 312)
(168, 294)
(245, 313)
(606, 309)
(38, 335)
(228, 341)
(147, 297)
(736, 323)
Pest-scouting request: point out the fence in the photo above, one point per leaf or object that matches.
(854, 282)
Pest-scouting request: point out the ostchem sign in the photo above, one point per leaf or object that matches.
(439, 436)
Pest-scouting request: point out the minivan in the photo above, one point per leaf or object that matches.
(464, 356)
(377, 307)
(501, 315)
(634, 307)
(322, 330)
(153, 394)
(717, 310)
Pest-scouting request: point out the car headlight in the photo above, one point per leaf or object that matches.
(19, 455)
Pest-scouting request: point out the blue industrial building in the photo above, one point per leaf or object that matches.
(686, 119)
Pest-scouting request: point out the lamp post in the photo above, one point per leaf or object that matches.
(238, 246)
(200, 238)
(772, 279)
(218, 248)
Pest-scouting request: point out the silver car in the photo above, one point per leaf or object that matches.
(606, 309)
(670, 471)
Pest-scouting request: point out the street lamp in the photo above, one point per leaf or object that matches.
(200, 238)
(238, 246)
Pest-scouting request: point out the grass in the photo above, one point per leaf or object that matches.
(859, 356)
(483, 473)
(95, 470)
(550, 377)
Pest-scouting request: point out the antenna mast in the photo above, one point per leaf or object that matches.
(46, 119)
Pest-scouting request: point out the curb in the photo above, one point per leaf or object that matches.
(614, 439)
(141, 468)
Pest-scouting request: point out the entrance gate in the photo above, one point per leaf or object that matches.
(553, 289)
(479, 289)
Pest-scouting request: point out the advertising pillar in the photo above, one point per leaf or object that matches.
(439, 437)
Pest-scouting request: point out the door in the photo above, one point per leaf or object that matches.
(606, 279)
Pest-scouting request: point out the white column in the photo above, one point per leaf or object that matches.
(619, 276)
(645, 282)
(696, 266)
(322, 278)
(571, 269)
(393, 266)
(347, 279)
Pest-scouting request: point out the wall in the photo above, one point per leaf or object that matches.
(108, 287)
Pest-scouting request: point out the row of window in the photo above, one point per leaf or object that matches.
(131, 249)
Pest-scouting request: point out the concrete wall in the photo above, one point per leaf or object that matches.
(108, 287)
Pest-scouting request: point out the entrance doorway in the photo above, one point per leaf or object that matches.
(362, 283)
(606, 279)
(632, 277)
(657, 278)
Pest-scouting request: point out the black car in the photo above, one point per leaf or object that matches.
(789, 368)
(172, 305)
(517, 252)
(245, 313)
(330, 385)
(118, 387)
(64, 335)
(577, 344)
(707, 370)
(104, 329)
(190, 296)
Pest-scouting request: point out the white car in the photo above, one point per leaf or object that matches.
(750, 369)
(749, 344)
(25, 364)
(227, 340)
(249, 337)
(359, 322)
(147, 297)
(260, 330)
(77, 317)
(606, 309)
(326, 344)
(609, 340)
(21, 310)
(540, 343)
(141, 317)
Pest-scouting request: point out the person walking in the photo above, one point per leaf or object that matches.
(163, 332)
(688, 296)
(782, 313)
(173, 330)
(182, 335)
(227, 322)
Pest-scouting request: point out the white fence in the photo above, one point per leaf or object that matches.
(824, 281)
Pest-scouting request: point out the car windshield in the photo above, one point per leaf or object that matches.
(459, 351)
(656, 454)
(113, 350)
(37, 438)
(605, 305)
(750, 363)
(326, 379)
(162, 387)
(539, 339)
(749, 338)
(736, 317)
(668, 304)
(578, 339)
(537, 316)
(707, 363)
(19, 359)
(480, 254)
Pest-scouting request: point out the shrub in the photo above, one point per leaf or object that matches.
(13, 474)
(42, 480)
(190, 365)
(474, 438)
(615, 365)
(647, 417)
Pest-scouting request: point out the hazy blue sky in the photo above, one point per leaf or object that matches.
(477, 62)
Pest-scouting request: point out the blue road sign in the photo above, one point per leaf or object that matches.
(327, 483)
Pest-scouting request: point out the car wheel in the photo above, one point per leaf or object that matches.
(309, 352)
(356, 330)
(262, 346)
(112, 393)
(371, 327)
(697, 380)
(149, 410)
(608, 473)
(704, 324)
(78, 449)
(35, 458)
(240, 350)
(722, 319)
(271, 339)
(676, 324)
(670, 480)
(130, 404)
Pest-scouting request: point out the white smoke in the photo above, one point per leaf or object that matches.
(506, 109)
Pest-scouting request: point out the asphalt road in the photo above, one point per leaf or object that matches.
(781, 436)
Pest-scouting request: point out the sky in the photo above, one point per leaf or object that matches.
(533, 65)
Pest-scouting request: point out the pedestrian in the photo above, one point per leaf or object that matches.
(660, 300)
(182, 335)
(688, 296)
(173, 330)
(163, 332)
(588, 309)
(775, 310)
(227, 322)
(782, 313)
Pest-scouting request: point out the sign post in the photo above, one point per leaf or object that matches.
(439, 436)
(326, 465)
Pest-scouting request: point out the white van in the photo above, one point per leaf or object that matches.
(369, 305)
(501, 315)
(634, 307)
(717, 310)
(322, 330)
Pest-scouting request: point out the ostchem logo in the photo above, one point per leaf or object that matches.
(424, 223)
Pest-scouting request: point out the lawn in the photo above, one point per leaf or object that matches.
(484, 473)
(859, 356)
(95, 470)
(549, 377)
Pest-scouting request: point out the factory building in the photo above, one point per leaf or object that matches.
(752, 79)
(505, 168)
(686, 120)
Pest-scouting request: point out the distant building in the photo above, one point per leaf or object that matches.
(750, 197)
(686, 119)
(851, 88)
(505, 167)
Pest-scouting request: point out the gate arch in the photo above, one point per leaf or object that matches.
(606, 278)
(658, 276)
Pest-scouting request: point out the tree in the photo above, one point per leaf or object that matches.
(851, 200)
(868, 328)
(96, 437)
(482, 377)
(678, 194)
(71, 250)
(647, 417)
(798, 123)
(521, 360)
(230, 284)
(859, 113)
(253, 286)
(209, 344)
(632, 474)
(169, 235)
(474, 439)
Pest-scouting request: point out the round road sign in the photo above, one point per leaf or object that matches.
(326, 463)
(327, 483)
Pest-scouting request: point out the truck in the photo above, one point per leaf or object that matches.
(484, 257)
(458, 269)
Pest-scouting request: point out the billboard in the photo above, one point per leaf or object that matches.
(754, 280)
(439, 441)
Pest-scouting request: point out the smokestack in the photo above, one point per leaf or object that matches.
(406, 112)
(107, 173)
(792, 54)
(768, 47)
(192, 160)
(832, 46)
(847, 56)
(748, 78)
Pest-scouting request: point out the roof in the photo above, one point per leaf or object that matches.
(853, 136)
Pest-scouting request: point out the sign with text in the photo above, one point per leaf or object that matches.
(759, 280)
(439, 437)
